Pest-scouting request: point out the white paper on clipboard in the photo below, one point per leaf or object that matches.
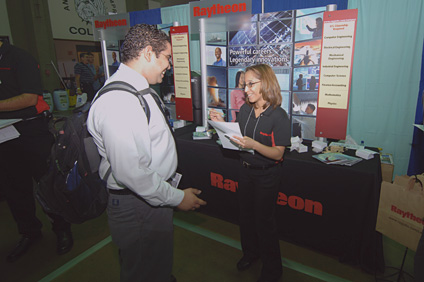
(226, 131)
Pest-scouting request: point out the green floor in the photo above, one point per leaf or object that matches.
(206, 250)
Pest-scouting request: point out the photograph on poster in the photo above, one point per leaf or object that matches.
(233, 115)
(304, 113)
(216, 56)
(308, 27)
(219, 73)
(283, 77)
(216, 38)
(275, 15)
(113, 58)
(307, 126)
(217, 97)
(242, 56)
(274, 55)
(275, 31)
(306, 78)
(286, 102)
(237, 98)
(232, 74)
(240, 23)
(112, 45)
(301, 100)
(307, 53)
(244, 36)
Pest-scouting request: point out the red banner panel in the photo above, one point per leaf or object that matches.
(337, 48)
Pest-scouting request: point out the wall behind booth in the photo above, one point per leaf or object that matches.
(384, 92)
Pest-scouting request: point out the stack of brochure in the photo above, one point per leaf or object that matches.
(337, 158)
(386, 158)
(365, 153)
(202, 135)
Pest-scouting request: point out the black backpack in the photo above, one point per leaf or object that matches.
(72, 187)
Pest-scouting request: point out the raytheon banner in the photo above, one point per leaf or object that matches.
(213, 9)
(111, 27)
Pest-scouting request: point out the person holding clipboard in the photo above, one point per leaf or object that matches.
(265, 128)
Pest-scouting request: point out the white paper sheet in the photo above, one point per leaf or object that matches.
(7, 122)
(226, 130)
(8, 133)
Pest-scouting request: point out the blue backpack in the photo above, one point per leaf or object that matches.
(72, 187)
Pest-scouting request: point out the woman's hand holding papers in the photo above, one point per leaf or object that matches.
(244, 142)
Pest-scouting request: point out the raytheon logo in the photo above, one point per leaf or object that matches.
(110, 23)
(294, 202)
(218, 9)
(409, 215)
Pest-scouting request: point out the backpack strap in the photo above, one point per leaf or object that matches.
(164, 110)
(123, 86)
(108, 172)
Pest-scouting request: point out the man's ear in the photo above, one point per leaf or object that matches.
(147, 52)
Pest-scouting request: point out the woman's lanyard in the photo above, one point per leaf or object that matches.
(256, 124)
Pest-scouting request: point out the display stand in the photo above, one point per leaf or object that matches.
(400, 273)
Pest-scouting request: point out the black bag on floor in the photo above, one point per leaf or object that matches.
(72, 187)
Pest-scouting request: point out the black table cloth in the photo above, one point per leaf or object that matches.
(329, 208)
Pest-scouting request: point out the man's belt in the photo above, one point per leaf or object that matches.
(126, 191)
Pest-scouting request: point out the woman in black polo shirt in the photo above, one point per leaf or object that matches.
(266, 129)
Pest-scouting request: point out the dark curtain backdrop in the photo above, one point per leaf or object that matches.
(416, 160)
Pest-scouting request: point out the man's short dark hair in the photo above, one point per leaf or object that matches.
(139, 37)
(312, 106)
(82, 55)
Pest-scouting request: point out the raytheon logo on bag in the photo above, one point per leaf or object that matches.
(408, 215)
(294, 202)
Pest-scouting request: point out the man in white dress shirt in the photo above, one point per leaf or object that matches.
(143, 157)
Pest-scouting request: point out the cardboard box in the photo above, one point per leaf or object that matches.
(387, 167)
(387, 172)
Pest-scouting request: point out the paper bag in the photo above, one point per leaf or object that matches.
(411, 182)
(400, 214)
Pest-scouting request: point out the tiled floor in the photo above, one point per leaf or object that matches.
(206, 249)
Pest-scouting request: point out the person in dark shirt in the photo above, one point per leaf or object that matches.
(24, 159)
(84, 77)
(299, 82)
(312, 83)
(265, 127)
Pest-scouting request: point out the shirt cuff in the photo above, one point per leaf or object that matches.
(178, 197)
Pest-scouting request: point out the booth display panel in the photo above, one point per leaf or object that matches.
(328, 208)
